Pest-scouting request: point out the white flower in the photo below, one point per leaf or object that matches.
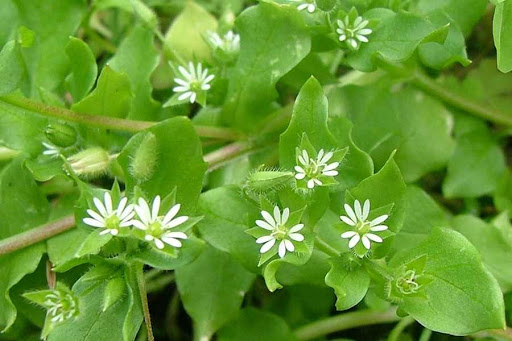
(108, 218)
(51, 150)
(357, 218)
(354, 33)
(156, 226)
(60, 305)
(313, 168)
(193, 81)
(307, 4)
(279, 232)
(230, 43)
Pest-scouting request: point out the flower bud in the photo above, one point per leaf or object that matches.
(144, 159)
(61, 135)
(92, 161)
(267, 180)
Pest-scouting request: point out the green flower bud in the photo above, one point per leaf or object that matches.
(92, 161)
(61, 135)
(267, 180)
(145, 158)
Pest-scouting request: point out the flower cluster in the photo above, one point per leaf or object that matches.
(193, 81)
(308, 5)
(353, 32)
(155, 226)
(362, 228)
(311, 169)
(279, 232)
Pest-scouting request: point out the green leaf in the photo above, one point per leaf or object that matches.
(395, 38)
(12, 68)
(212, 305)
(422, 215)
(417, 126)
(492, 243)
(83, 69)
(502, 28)
(120, 321)
(137, 57)
(227, 214)
(463, 13)
(46, 60)
(476, 166)
(112, 86)
(309, 117)
(137, 7)
(349, 280)
(266, 54)
(357, 165)
(28, 210)
(185, 36)
(114, 291)
(462, 297)
(255, 325)
(92, 244)
(179, 163)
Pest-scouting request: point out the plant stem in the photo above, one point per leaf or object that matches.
(7, 154)
(326, 248)
(36, 235)
(464, 103)
(220, 156)
(425, 335)
(345, 321)
(399, 328)
(108, 122)
(144, 299)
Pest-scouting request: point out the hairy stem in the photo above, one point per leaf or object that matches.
(36, 235)
(144, 299)
(464, 103)
(107, 122)
(345, 321)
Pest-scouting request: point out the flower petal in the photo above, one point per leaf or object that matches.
(282, 249)
(267, 246)
(378, 220)
(330, 173)
(277, 215)
(366, 242)
(300, 176)
(159, 244)
(358, 210)
(171, 241)
(289, 245)
(138, 224)
(366, 209)
(348, 234)
(265, 225)
(179, 235)
(99, 205)
(95, 215)
(379, 228)
(285, 216)
(268, 217)
(347, 220)
(296, 236)
(374, 237)
(175, 222)
(171, 214)
(156, 208)
(350, 212)
(311, 184)
(353, 241)
(108, 203)
(297, 228)
(93, 222)
(264, 239)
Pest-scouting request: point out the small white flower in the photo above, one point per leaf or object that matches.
(276, 224)
(230, 43)
(61, 306)
(108, 218)
(51, 150)
(156, 226)
(357, 218)
(353, 33)
(313, 168)
(194, 80)
(308, 5)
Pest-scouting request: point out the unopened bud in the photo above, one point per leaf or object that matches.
(61, 135)
(92, 161)
(144, 159)
(267, 180)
